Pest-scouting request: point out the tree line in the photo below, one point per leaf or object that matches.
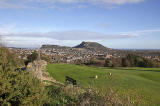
(130, 60)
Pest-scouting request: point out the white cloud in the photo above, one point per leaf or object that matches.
(119, 2)
(52, 3)
(11, 36)
(141, 32)
(17, 4)
(68, 35)
(14, 36)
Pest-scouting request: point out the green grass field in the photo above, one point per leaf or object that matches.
(135, 82)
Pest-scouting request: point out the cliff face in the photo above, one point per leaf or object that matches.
(37, 67)
(54, 46)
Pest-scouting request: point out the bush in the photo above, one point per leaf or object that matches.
(18, 87)
(96, 62)
(75, 96)
(31, 58)
(132, 60)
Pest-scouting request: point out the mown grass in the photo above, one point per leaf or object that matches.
(141, 84)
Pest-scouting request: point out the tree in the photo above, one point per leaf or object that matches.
(125, 62)
(31, 58)
(108, 63)
(132, 60)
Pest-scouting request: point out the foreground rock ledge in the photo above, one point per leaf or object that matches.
(37, 67)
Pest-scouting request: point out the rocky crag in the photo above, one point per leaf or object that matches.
(93, 46)
(38, 68)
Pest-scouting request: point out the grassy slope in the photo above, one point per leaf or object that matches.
(132, 81)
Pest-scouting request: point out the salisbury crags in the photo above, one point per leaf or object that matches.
(92, 46)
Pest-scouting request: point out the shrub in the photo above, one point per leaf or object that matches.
(18, 87)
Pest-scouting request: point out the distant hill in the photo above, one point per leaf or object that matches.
(94, 46)
(54, 46)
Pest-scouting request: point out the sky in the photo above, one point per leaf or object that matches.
(132, 24)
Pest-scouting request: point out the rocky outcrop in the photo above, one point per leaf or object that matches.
(37, 67)
(54, 46)
(93, 46)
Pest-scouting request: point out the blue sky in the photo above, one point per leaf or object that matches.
(113, 23)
